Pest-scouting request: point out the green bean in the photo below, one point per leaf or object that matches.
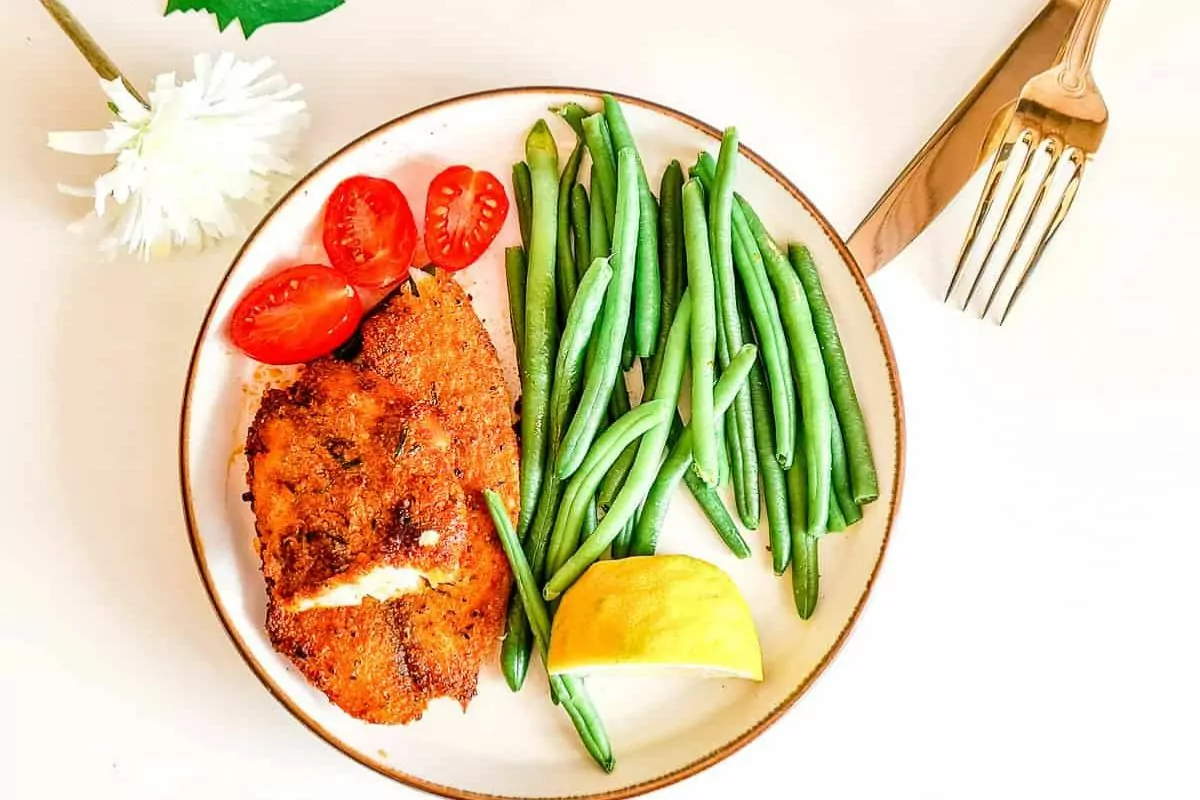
(806, 577)
(618, 404)
(514, 653)
(581, 322)
(718, 516)
(569, 690)
(720, 231)
(604, 167)
(679, 461)
(649, 296)
(796, 477)
(648, 291)
(837, 523)
(615, 478)
(852, 514)
(863, 478)
(747, 427)
(582, 487)
(809, 370)
(615, 481)
(723, 458)
(704, 330)
(645, 466)
(729, 432)
(678, 465)
(598, 232)
(745, 468)
(613, 323)
(706, 498)
(773, 478)
(739, 423)
(627, 351)
(580, 212)
(671, 261)
(590, 519)
(523, 196)
(514, 276)
(765, 311)
(517, 645)
(573, 114)
(723, 469)
(705, 168)
(628, 428)
(620, 545)
(564, 264)
(842, 494)
(541, 316)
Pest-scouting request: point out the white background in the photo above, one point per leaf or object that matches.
(1033, 632)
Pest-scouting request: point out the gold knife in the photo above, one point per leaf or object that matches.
(964, 141)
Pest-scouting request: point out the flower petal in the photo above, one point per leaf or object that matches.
(77, 191)
(129, 108)
(80, 143)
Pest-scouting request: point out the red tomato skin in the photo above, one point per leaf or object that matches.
(296, 315)
(464, 212)
(369, 231)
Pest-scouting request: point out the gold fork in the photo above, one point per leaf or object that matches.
(1061, 114)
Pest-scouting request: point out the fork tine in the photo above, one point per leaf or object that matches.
(1023, 231)
(999, 163)
(1060, 213)
(1031, 148)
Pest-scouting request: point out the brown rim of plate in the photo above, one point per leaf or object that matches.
(699, 764)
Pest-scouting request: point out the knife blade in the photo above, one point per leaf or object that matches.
(963, 141)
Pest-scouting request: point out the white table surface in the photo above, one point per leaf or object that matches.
(1033, 632)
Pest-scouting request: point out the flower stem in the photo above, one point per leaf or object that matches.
(87, 46)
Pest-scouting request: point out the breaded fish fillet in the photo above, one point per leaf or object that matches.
(353, 490)
(383, 662)
(432, 346)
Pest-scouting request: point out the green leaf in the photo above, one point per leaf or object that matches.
(253, 14)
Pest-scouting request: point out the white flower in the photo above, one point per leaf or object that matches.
(188, 167)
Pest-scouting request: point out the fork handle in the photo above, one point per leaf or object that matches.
(1081, 46)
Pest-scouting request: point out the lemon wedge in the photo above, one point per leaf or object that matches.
(664, 612)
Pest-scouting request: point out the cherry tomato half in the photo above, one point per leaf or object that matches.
(369, 231)
(296, 315)
(464, 211)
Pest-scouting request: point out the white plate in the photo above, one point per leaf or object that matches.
(519, 745)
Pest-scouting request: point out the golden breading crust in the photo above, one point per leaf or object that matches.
(447, 633)
(348, 475)
(352, 654)
(433, 346)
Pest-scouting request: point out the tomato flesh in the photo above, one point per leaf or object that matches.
(464, 212)
(296, 315)
(369, 232)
